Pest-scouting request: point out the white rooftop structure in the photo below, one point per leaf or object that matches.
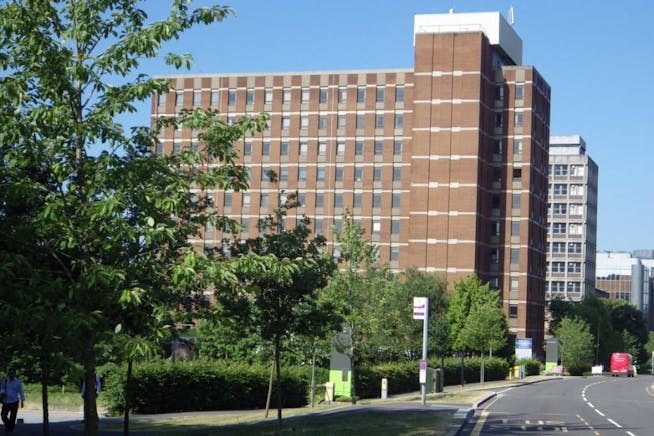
(567, 144)
(498, 31)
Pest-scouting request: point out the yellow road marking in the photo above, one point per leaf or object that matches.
(480, 423)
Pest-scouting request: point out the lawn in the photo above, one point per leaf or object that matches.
(59, 398)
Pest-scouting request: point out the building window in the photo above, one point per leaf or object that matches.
(231, 97)
(577, 190)
(559, 208)
(340, 149)
(560, 170)
(340, 123)
(499, 121)
(497, 146)
(320, 175)
(379, 98)
(304, 122)
(577, 170)
(286, 123)
(397, 148)
(495, 255)
(379, 121)
(574, 287)
(358, 148)
(399, 121)
(560, 189)
(397, 174)
(495, 228)
(158, 149)
(322, 122)
(323, 95)
(395, 226)
(245, 225)
(376, 201)
(517, 174)
(519, 91)
(574, 247)
(305, 95)
(338, 175)
(361, 94)
(338, 200)
(357, 200)
(197, 98)
(395, 201)
(179, 99)
(499, 92)
(557, 286)
(519, 118)
(361, 121)
(516, 200)
(517, 146)
(558, 247)
(283, 174)
(515, 228)
(513, 310)
(574, 267)
(286, 96)
(342, 94)
(265, 149)
(376, 228)
(575, 229)
(302, 174)
(283, 149)
(377, 174)
(268, 96)
(395, 254)
(246, 200)
(247, 149)
(317, 227)
(358, 174)
(558, 228)
(264, 200)
(249, 97)
(322, 148)
(300, 199)
(515, 256)
(558, 267)
(227, 199)
(161, 100)
(304, 148)
(320, 200)
(399, 94)
(379, 148)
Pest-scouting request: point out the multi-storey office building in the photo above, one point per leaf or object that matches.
(572, 219)
(444, 164)
(629, 277)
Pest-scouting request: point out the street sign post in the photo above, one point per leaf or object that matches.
(421, 311)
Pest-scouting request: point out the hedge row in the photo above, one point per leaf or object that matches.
(532, 366)
(164, 387)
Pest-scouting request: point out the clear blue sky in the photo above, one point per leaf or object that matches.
(596, 55)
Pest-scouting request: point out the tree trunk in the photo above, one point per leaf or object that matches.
(270, 384)
(45, 375)
(313, 375)
(278, 384)
(90, 406)
(128, 393)
(353, 389)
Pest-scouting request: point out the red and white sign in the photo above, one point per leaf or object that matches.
(420, 307)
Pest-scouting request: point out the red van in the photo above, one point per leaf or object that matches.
(622, 365)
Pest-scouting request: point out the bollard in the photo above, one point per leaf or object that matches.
(329, 392)
(384, 389)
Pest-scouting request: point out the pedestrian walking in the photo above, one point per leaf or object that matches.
(11, 393)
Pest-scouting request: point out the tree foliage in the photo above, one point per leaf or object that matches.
(576, 345)
(101, 219)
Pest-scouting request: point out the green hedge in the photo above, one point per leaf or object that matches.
(495, 368)
(164, 387)
(402, 377)
(532, 366)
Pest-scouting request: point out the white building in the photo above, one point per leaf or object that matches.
(572, 219)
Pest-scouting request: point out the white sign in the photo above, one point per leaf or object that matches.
(422, 375)
(523, 348)
(420, 307)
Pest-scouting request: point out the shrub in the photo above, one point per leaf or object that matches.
(402, 377)
(495, 368)
(532, 366)
(163, 386)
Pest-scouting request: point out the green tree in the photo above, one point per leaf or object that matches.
(469, 293)
(283, 305)
(116, 222)
(351, 293)
(485, 330)
(576, 345)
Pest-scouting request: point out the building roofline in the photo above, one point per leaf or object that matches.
(281, 73)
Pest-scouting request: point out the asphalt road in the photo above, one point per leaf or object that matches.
(577, 405)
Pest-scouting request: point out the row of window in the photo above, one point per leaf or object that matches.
(558, 228)
(572, 247)
(341, 148)
(560, 286)
(564, 170)
(573, 209)
(305, 95)
(518, 94)
(565, 189)
(339, 174)
(518, 119)
(498, 146)
(396, 120)
(562, 267)
(375, 199)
